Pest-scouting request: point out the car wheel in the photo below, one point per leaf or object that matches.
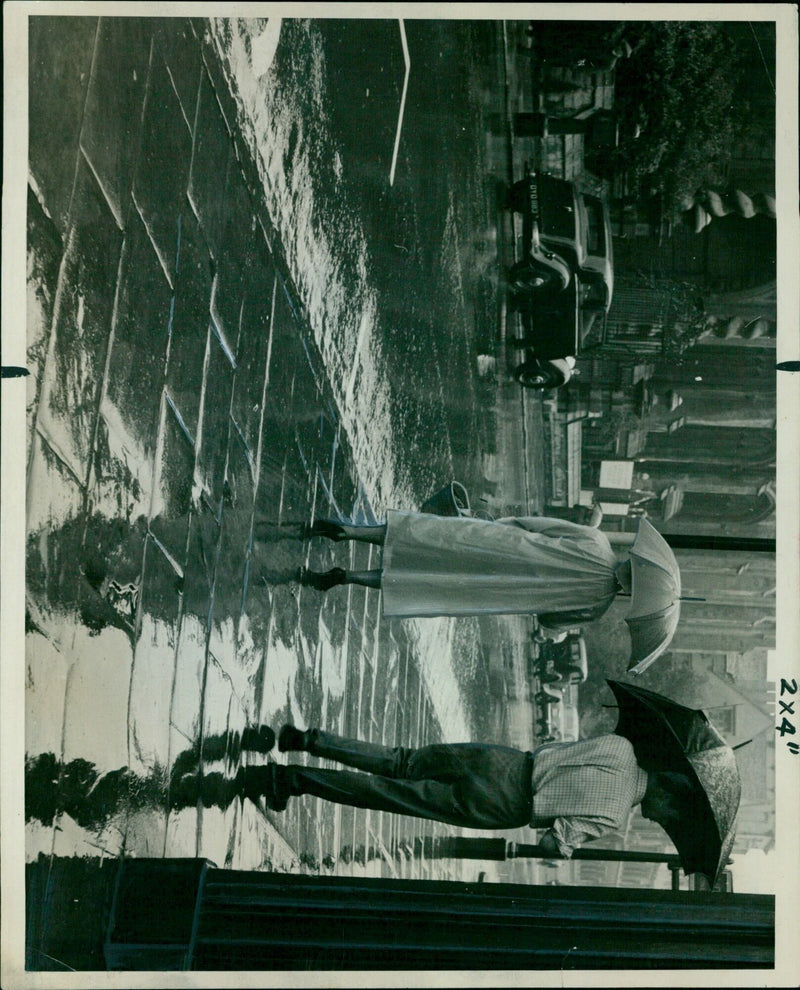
(547, 699)
(526, 277)
(539, 374)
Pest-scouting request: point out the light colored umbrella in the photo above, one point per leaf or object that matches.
(655, 597)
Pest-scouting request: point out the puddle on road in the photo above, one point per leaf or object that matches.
(153, 616)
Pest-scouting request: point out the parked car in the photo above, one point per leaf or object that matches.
(564, 662)
(548, 695)
(547, 699)
(563, 285)
(565, 722)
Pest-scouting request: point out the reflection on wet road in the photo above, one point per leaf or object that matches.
(234, 317)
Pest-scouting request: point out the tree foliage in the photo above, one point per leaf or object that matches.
(685, 93)
(682, 88)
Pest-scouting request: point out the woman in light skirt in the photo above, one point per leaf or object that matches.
(461, 565)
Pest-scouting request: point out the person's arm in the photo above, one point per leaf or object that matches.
(570, 832)
(547, 525)
(549, 845)
(597, 514)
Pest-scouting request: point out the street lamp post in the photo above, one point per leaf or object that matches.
(463, 847)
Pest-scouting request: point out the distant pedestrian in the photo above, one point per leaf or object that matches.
(459, 565)
(576, 790)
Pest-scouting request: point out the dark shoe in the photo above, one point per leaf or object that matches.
(268, 782)
(328, 528)
(258, 738)
(290, 738)
(322, 581)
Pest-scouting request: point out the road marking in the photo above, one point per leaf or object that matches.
(407, 61)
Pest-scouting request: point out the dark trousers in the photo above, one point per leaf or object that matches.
(465, 784)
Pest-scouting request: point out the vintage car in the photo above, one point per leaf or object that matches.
(558, 718)
(563, 661)
(563, 284)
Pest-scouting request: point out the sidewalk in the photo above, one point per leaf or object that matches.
(176, 395)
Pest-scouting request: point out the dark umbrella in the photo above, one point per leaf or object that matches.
(669, 736)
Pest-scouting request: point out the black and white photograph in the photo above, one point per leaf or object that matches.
(400, 495)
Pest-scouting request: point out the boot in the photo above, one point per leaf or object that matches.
(257, 738)
(322, 581)
(328, 528)
(268, 782)
(290, 738)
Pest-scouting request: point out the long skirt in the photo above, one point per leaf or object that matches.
(443, 565)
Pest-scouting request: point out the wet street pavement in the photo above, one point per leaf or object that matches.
(234, 317)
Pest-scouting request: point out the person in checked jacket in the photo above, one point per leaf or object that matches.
(576, 791)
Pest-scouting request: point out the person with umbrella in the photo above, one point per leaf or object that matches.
(576, 791)
(563, 572)
(686, 757)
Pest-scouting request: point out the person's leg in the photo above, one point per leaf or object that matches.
(445, 762)
(388, 761)
(338, 531)
(475, 785)
(270, 532)
(428, 799)
(324, 580)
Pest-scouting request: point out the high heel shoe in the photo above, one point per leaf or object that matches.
(328, 528)
(321, 581)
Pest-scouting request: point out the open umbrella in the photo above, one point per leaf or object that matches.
(655, 597)
(669, 736)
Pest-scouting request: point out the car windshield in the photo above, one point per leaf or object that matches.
(595, 227)
(557, 207)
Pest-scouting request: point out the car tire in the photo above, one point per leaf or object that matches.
(525, 277)
(539, 374)
(547, 699)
